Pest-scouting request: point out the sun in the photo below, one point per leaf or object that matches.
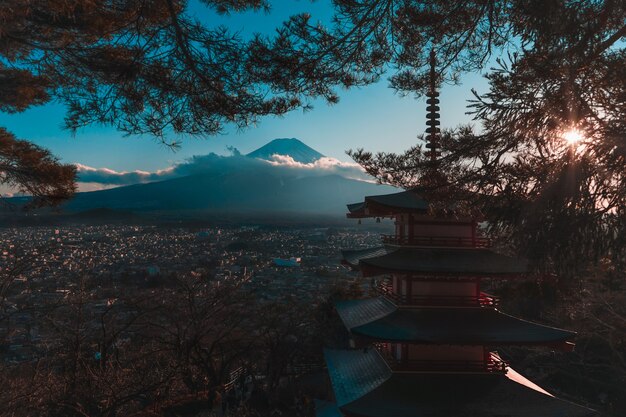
(573, 136)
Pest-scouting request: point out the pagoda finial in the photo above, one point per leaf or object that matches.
(432, 139)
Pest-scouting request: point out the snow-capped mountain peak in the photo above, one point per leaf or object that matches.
(292, 147)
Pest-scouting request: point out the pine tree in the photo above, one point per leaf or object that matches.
(562, 203)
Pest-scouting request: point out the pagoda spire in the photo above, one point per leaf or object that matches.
(433, 132)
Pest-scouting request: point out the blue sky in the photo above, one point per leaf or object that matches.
(372, 117)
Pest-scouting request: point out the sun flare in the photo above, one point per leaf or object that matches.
(573, 136)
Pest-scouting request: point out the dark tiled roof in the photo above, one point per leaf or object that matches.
(356, 207)
(365, 387)
(380, 205)
(356, 313)
(465, 261)
(354, 373)
(451, 325)
(353, 256)
(449, 395)
(409, 200)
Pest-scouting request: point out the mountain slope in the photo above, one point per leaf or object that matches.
(293, 147)
(241, 184)
(245, 192)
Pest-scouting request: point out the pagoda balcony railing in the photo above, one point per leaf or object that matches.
(448, 241)
(494, 364)
(482, 300)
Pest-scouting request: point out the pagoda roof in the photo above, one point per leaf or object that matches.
(379, 319)
(409, 201)
(364, 386)
(352, 257)
(442, 260)
(355, 373)
(355, 313)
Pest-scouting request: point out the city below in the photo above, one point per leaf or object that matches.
(46, 267)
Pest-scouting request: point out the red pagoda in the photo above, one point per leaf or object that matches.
(425, 346)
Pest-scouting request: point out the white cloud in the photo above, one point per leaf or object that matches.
(94, 186)
(323, 166)
(87, 174)
(91, 179)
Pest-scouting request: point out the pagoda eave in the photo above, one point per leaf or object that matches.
(351, 257)
(369, 271)
(442, 395)
(443, 261)
(388, 205)
(365, 387)
(361, 341)
(378, 319)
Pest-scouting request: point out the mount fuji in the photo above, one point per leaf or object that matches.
(241, 184)
(292, 147)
